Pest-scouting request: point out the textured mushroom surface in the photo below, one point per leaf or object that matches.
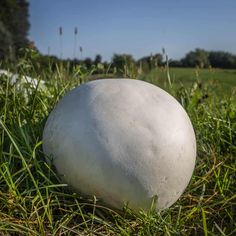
(124, 141)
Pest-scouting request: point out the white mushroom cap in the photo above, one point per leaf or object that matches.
(123, 140)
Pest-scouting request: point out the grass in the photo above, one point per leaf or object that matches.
(34, 202)
(221, 82)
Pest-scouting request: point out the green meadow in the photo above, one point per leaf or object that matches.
(33, 201)
(222, 82)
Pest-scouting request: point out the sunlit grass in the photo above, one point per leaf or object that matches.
(221, 82)
(34, 202)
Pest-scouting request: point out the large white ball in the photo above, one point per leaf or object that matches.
(124, 141)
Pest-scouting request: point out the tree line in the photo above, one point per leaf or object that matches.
(127, 65)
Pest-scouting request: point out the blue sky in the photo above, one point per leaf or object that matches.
(137, 27)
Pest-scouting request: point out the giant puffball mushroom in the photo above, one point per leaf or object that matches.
(124, 141)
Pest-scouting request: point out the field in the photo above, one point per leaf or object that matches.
(34, 202)
(221, 82)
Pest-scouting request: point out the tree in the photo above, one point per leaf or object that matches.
(124, 64)
(6, 41)
(175, 63)
(88, 62)
(199, 57)
(150, 62)
(98, 59)
(222, 59)
(14, 24)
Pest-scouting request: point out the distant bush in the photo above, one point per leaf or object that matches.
(204, 59)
